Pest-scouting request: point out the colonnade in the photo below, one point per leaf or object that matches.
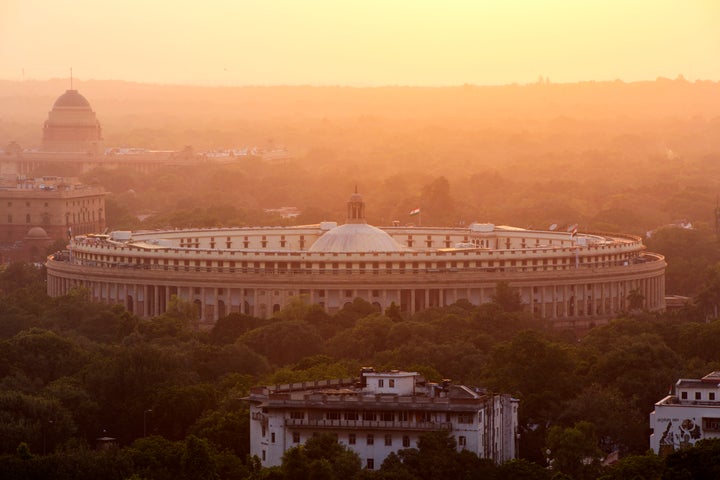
(571, 302)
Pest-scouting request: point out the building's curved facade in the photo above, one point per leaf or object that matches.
(570, 279)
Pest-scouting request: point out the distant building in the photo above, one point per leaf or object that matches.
(34, 212)
(72, 126)
(380, 413)
(690, 413)
(72, 144)
(570, 279)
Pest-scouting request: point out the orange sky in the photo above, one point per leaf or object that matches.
(368, 42)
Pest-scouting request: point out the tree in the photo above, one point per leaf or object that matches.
(197, 460)
(574, 450)
(321, 457)
(284, 342)
(636, 467)
(619, 425)
(636, 300)
(708, 299)
(700, 462)
(507, 298)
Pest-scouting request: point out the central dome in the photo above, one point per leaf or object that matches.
(72, 126)
(356, 237)
(71, 98)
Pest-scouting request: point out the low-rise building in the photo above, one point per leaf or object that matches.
(34, 212)
(380, 413)
(690, 413)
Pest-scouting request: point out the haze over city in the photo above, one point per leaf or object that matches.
(359, 240)
(369, 43)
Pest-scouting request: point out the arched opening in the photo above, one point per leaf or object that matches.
(276, 308)
(377, 306)
(198, 309)
(246, 308)
(221, 309)
(129, 304)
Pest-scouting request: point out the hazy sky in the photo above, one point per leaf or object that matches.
(364, 42)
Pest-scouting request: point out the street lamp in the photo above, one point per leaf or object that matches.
(149, 410)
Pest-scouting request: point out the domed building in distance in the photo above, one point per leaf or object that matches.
(72, 126)
(571, 279)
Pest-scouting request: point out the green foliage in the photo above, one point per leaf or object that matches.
(40, 422)
(231, 327)
(72, 370)
(507, 298)
(688, 254)
(708, 299)
(618, 424)
(43, 355)
(522, 469)
(701, 462)
(436, 456)
(197, 461)
(284, 342)
(574, 450)
(226, 429)
(640, 467)
(321, 457)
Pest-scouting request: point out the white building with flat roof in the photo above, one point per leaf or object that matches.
(689, 414)
(380, 413)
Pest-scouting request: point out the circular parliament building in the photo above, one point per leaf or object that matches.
(568, 278)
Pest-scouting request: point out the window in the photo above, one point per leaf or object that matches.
(370, 439)
(371, 464)
(462, 441)
(391, 383)
(27, 218)
(369, 416)
(332, 415)
(263, 455)
(711, 396)
(351, 439)
(296, 437)
(465, 418)
(698, 395)
(683, 395)
(381, 383)
(388, 440)
(387, 416)
(272, 437)
(711, 424)
(406, 441)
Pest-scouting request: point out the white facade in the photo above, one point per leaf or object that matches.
(570, 279)
(690, 414)
(380, 413)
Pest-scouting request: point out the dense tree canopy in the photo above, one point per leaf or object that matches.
(72, 371)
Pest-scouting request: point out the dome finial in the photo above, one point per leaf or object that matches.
(356, 208)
